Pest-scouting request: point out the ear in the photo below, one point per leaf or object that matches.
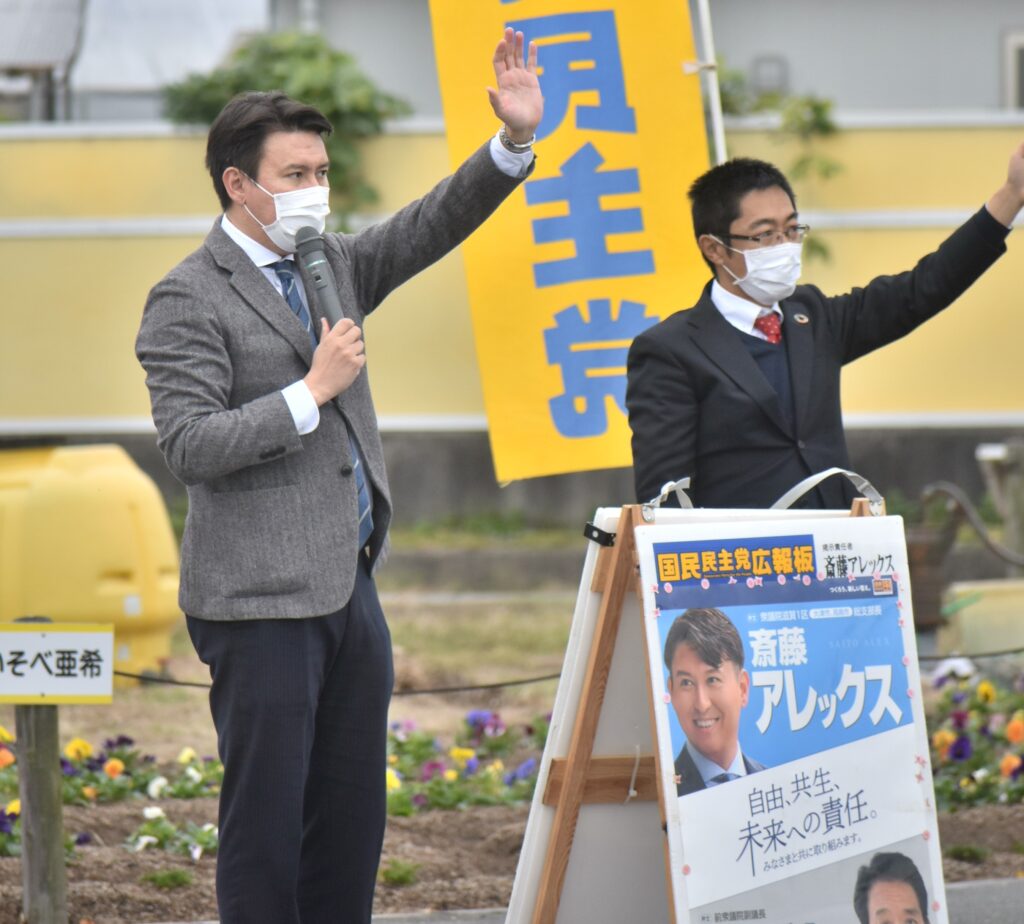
(714, 251)
(744, 688)
(234, 182)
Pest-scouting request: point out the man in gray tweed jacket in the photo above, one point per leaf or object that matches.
(264, 411)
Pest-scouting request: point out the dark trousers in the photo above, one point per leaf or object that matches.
(300, 707)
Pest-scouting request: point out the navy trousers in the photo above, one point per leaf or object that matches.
(300, 707)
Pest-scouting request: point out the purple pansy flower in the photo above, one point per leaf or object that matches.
(961, 748)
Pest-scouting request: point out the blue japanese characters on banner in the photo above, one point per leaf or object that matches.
(596, 245)
(582, 348)
(590, 354)
(587, 225)
(580, 65)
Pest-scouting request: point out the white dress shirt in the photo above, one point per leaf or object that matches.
(740, 312)
(708, 769)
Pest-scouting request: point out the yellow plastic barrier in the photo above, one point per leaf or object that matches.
(982, 616)
(85, 537)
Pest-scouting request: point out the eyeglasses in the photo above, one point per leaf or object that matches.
(794, 234)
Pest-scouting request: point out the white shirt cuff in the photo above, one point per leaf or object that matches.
(303, 407)
(507, 162)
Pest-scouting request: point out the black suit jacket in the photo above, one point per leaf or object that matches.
(699, 405)
(690, 779)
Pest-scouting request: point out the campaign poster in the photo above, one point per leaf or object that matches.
(790, 729)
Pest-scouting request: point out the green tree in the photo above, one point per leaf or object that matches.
(803, 118)
(305, 67)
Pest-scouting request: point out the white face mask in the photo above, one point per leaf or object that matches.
(298, 208)
(772, 272)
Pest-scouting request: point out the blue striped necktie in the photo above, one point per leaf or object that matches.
(285, 270)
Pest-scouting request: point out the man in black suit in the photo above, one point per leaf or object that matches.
(741, 392)
(709, 688)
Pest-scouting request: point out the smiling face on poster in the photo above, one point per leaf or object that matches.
(708, 687)
(791, 736)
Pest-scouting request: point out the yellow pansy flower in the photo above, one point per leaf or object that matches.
(942, 741)
(461, 755)
(78, 749)
(495, 768)
(986, 691)
(13, 807)
(393, 780)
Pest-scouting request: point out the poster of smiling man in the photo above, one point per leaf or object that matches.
(790, 728)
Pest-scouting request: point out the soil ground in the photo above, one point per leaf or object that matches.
(465, 859)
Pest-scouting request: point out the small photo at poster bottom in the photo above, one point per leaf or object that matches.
(893, 876)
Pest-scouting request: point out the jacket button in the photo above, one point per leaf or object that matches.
(801, 444)
(346, 470)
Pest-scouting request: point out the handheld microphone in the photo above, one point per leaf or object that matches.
(309, 248)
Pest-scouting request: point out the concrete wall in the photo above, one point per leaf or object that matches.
(439, 476)
(89, 221)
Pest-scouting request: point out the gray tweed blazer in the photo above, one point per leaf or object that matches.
(271, 527)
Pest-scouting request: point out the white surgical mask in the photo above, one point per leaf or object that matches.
(299, 208)
(772, 272)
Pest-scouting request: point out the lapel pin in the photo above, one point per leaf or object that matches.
(801, 318)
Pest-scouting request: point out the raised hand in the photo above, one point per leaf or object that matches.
(1008, 200)
(517, 101)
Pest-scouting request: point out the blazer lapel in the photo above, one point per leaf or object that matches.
(798, 338)
(249, 282)
(719, 342)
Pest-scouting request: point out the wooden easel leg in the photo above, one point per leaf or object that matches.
(621, 574)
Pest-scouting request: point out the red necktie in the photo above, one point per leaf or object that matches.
(771, 326)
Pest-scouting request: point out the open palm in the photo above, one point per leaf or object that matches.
(517, 101)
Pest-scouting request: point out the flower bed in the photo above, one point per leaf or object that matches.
(976, 728)
(422, 774)
(977, 739)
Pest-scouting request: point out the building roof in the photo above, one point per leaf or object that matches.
(140, 45)
(38, 35)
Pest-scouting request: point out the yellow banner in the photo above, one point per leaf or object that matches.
(597, 244)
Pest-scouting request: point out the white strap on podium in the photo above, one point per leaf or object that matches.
(865, 487)
(669, 487)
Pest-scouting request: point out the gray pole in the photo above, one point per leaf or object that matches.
(43, 876)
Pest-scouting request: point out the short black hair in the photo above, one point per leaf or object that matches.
(710, 633)
(237, 134)
(888, 867)
(715, 195)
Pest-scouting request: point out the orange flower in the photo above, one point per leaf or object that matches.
(1015, 730)
(113, 768)
(942, 741)
(89, 792)
(6, 757)
(1009, 764)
